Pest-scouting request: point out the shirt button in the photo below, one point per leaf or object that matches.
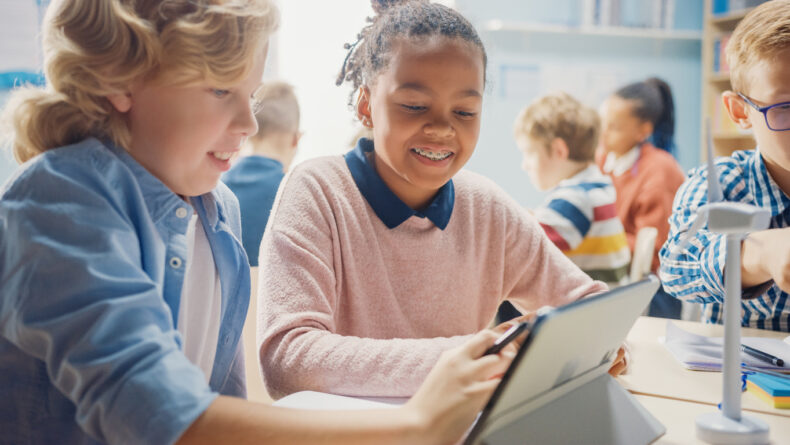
(181, 212)
(175, 262)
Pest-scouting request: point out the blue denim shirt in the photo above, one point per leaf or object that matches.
(92, 261)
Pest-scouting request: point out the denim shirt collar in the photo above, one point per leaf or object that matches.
(229, 256)
(390, 209)
(162, 201)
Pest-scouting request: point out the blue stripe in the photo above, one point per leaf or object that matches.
(572, 213)
(587, 186)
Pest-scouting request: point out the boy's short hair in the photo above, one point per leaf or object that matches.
(559, 115)
(278, 109)
(762, 34)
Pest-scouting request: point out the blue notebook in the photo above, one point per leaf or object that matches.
(773, 386)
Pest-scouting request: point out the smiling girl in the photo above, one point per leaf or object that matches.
(123, 281)
(377, 261)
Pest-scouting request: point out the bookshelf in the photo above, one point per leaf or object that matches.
(726, 136)
(591, 30)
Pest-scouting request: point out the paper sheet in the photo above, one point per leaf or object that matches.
(702, 353)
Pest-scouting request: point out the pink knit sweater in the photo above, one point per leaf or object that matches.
(348, 306)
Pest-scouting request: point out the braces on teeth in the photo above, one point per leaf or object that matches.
(431, 155)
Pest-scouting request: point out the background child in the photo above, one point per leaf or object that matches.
(400, 256)
(558, 136)
(255, 178)
(758, 54)
(645, 175)
(124, 286)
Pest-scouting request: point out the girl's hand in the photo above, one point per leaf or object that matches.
(620, 364)
(505, 325)
(458, 387)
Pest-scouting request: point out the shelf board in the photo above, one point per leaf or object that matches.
(732, 136)
(719, 78)
(603, 31)
(730, 19)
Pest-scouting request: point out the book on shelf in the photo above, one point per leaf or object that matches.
(655, 14)
(720, 65)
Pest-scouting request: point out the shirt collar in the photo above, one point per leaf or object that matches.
(589, 174)
(387, 206)
(775, 198)
(162, 201)
(618, 166)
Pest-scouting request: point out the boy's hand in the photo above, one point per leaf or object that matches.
(765, 255)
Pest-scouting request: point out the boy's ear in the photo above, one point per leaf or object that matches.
(363, 107)
(559, 149)
(736, 109)
(122, 102)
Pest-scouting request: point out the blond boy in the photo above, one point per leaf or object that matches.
(557, 136)
(758, 54)
(256, 177)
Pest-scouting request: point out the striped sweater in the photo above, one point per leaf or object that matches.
(579, 216)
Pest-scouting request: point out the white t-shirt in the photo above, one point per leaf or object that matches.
(201, 301)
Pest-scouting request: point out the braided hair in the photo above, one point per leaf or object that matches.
(653, 99)
(396, 19)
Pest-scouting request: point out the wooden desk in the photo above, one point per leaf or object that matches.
(654, 371)
(679, 418)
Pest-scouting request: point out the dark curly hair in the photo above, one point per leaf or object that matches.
(395, 19)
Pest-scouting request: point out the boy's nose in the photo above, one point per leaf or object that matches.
(245, 122)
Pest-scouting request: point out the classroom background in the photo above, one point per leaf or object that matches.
(584, 47)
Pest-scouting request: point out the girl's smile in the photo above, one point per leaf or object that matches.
(425, 113)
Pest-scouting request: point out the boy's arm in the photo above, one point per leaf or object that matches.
(299, 347)
(75, 297)
(697, 273)
(765, 256)
(565, 220)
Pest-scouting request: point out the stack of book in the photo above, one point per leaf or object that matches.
(772, 389)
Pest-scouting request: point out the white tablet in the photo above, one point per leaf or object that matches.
(566, 349)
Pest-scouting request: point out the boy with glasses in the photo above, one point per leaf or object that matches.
(759, 57)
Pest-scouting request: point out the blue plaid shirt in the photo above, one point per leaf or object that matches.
(697, 273)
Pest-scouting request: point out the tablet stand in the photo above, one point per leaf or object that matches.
(590, 409)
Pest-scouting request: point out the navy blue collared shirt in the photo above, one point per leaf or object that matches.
(390, 209)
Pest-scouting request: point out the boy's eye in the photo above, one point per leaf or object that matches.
(414, 108)
(466, 114)
(219, 93)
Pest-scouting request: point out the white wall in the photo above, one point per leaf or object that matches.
(307, 52)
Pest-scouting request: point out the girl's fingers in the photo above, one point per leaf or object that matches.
(483, 387)
(491, 365)
(479, 343)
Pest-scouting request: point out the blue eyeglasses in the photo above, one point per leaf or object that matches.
(777, 116)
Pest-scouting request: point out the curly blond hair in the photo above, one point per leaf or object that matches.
(96, 48)
(762, 34)
(559, 115)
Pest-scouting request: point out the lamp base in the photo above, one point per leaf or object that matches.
(719, 429)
